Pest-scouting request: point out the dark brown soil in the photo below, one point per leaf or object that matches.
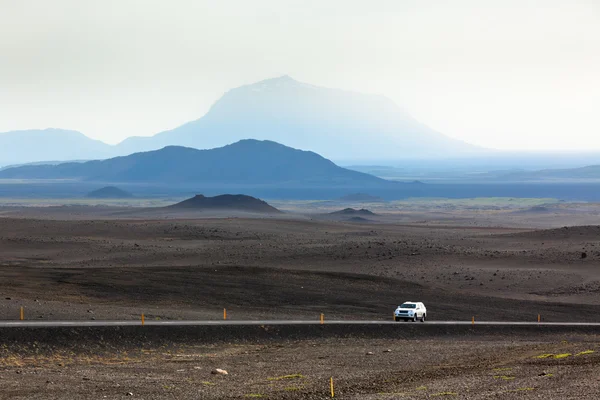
(465, 367)
(85, 265)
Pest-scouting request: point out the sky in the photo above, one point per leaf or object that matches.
(506, 74)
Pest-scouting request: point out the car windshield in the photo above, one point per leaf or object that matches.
(406, 305)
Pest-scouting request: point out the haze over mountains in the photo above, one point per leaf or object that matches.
(19, 147)
(335, 123)
(245, 162)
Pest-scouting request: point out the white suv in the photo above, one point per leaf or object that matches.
(411, 311)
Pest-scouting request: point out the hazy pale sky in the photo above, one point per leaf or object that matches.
(511, 74)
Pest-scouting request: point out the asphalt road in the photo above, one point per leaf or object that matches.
(51, 324)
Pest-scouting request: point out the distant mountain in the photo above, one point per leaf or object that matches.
(40, 163)
(248, 162)
(336, 123)
(237, 202)
(109, 192)
(18, 147)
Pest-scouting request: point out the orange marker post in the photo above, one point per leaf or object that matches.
(143, 320)
(539, 318)
(22, 315)
(224, 314)
(331, 386)
(473, 321)
(322, 319)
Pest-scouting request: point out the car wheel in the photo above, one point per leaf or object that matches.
(423, 318)
(414, 319)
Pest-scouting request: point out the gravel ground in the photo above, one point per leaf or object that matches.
(495, 366)
(86, 266)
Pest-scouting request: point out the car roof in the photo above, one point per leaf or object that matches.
(412, 302)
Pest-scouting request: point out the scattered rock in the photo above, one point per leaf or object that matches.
(219, 371)
(369, 353)
(583, 255)
(387, 351)
(129, 394)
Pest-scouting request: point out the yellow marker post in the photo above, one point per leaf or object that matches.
(473, 321)
(143, 319)
(224, 314)
(22, 316)
(322, 319)
(539, 318)
(331, 386)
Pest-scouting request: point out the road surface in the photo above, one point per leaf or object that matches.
(52, 324)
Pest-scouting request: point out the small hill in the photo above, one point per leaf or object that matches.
(238, 202)
(361, 198)
(109, 192)
(354, 212)
(358, 219)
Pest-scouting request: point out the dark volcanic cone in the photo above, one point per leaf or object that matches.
(237, 202)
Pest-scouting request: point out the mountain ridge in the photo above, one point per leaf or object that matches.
(244, 162)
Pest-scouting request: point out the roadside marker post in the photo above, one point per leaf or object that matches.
(224, 314)
(22, 315)
(143, 319)
(473, 321)
(322, 319)
(331, 386)
(539, 318)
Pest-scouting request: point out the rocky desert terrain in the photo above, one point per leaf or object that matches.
(107, 263)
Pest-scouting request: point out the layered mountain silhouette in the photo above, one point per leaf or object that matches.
(336, 123)
(238, 202)
(244, 162)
